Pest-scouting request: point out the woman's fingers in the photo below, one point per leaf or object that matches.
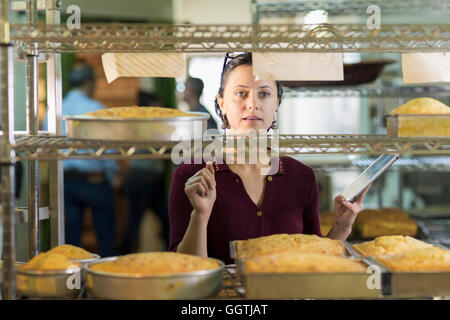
(359, 199)
(196, 188)
(200, 179)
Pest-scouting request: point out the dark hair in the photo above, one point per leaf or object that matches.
(196, 85)
(80, 74)
(244, 59)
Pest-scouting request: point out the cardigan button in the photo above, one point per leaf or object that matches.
(259, 213)
(269, 178)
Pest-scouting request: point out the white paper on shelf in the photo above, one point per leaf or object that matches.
(165, 65)
(304, 66)
(426, 67)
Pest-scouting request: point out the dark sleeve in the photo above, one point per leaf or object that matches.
(311, 223)
(180, 208)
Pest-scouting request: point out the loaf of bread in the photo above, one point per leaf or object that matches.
(422, 106)
(156, 263)
(421, 117)
(385, 221)
(278, 243)
(290, 262)
(139, 112)
(71, 252)
(424, 259)
(389, 245)
(48, 261)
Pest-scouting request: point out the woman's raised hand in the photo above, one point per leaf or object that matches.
(201, 190)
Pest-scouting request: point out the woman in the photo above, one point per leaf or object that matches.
(212, 204)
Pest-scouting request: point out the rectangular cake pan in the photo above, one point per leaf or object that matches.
(311, 285)
(137, 129)
(425, 284)
(418, 125)
(191, 285)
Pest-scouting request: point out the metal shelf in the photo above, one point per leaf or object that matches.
(369, 91)
(222, 38)
(59, 148)
(349, 7)
(403, 164)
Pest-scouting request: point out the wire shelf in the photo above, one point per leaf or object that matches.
(369, 91)
(60, 148)
(351, 7)
(98, 38)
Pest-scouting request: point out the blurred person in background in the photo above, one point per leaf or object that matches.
(192, 93)
(88, 183)
(144, 187)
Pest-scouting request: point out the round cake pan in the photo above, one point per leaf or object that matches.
(137, 129)
(192, 285)
(48, 284)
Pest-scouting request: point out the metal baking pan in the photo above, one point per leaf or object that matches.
(191, 285)
(137, 129)
(418, 125)
(309, 285)
(414, 284)
(345, 285)
(47, 284)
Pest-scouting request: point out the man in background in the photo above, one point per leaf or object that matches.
(192, 93)
(88, 183)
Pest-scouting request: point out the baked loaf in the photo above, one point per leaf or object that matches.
(71, 252)
(278, 243)
(48, 261)
(422, 106)
(156, 263)
(433, 119)
(139, 112)
(390, 245)
(385, 221)
(302, 262)
(425, 259)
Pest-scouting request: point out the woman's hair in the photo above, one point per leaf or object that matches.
(244, 59)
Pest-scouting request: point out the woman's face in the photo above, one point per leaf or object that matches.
(247, 103)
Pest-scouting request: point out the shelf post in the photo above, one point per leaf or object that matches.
(32, 129)
(54, 114)
(7, 154)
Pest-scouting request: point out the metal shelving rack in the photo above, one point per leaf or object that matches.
(54, 39)
(346, 7)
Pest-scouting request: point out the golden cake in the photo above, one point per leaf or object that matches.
(156, 263)
(278, 243)
(385, 221)
(425, 259)
(390, 245)
(422, 106)
(302, 262)
(421, 117)
(139, 112)
(71, 252)
(48, 261)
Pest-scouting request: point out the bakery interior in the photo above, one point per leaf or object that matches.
(337, 128)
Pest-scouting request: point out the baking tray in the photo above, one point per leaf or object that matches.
(192, 285)
(354, 74)
(137, 129)
(315, 285)
(413, 284)
(418, 125)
